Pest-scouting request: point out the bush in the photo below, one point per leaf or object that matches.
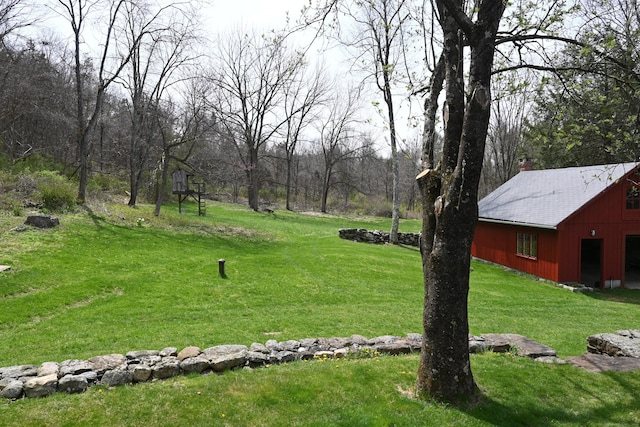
(56, 192)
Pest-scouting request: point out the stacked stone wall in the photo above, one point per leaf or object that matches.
(377, 236)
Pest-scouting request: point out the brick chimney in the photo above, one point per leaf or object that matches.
(526, 164)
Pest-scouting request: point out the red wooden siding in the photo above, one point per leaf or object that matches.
(605, 217)
(497, 243)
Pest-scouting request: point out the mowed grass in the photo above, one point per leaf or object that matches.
(107, 282)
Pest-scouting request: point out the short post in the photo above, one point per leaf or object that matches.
(221, 268)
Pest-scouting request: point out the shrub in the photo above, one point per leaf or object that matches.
(56, 192)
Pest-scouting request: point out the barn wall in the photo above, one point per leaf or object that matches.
(497, 243)
(607, 216)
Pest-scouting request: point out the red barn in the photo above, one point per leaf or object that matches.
(570, 225)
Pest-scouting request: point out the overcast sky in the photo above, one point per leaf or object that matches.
(263, 14)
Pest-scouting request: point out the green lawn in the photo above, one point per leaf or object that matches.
(102, 284)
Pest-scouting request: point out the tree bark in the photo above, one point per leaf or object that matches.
(450, 207)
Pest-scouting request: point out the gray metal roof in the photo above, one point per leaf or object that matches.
(545, 198)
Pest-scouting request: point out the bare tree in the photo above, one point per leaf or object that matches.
(303, 94)
(14, 15)
(76, 11)
(183, 130)
(336, 133)
(505, 136)
(251, 74)
(159, 40)
(378, 42)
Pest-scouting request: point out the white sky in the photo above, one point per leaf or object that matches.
(263, 14)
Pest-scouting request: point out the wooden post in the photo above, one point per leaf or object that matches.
(221, 268)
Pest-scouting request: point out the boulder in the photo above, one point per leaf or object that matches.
(116, 377)
(189, 352)
(141, 372)
(225, 357)
(73, 384)
(138, 354)
(19, 371)
(41, 386)
(11, 388)
(196, 364)
(101, 364)
(259, 348)
(168, 351)
(169, 367)
(42, 221)
(48, 368)
(401, 346)
(617, 345)
(74, 367)
(524, 346)
(257, 358)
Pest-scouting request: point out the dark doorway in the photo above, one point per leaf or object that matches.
(632, 262)
(591, 262)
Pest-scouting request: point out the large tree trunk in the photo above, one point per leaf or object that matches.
(450, 202)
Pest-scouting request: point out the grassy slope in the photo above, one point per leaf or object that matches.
(101, 285)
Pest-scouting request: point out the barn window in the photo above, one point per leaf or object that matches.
(633, 198)
(527, 245)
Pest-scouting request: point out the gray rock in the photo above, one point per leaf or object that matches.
(257, 358)
(630, 333)
(116, 377)
(42, 221)
(291, 345)
(614, 345)
(259, 348)
(169, 367)
(335, 343)
(415, 338)
(196, 364)
(19, 371)
(400, 346)
(189, 352)
(477, 344)
(225, 357)
(309, 342)
(11, 388)
(73, 384)
(41, 386)
(221, 350)
(272, 345)
(101, 364)
(138, 354)
(285, 356)
(48, 368)
(524, 346)
(141, 373)
(91, 376)
(168, 351)
(74, 367)
(385, 339)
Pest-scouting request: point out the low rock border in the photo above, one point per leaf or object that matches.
(377, 236)
(76, 376)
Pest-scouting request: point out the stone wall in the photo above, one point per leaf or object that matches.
(75, 376)
(377, 236)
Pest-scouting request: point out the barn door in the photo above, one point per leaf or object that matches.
(632, 262)
(591, 262)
